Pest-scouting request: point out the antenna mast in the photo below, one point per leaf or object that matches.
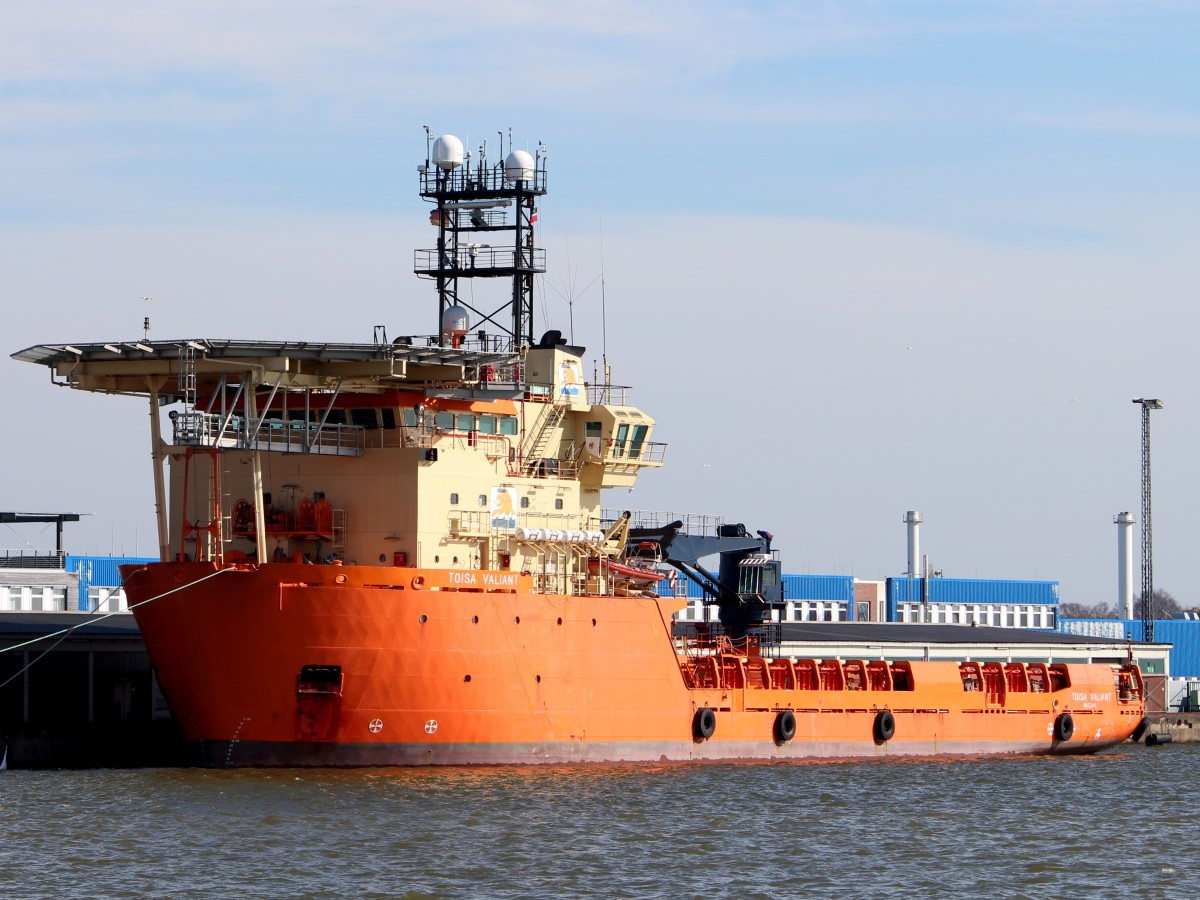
(470, 212)
(1147, 528)
(604, 321)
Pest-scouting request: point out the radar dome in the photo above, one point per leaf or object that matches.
(448, 152)
(455, 320)
(518, 166)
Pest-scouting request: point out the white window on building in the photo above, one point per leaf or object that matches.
(58, 599)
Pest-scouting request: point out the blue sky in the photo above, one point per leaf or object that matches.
(860, 257)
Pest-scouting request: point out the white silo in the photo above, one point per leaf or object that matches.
(1125, 522)
(912, 519)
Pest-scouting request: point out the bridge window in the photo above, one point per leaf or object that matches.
(508, 425)
(639, 438)
(487, 424)
(364, 418)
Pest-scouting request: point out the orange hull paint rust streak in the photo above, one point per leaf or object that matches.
(450, 666)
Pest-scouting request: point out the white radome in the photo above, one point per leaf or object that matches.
(448, 152)
(518, 166)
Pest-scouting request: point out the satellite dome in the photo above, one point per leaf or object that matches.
(448, 152)
(455, 320)
(518, 166)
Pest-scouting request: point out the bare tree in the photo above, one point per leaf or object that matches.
(1079, 611)
(1164, 606)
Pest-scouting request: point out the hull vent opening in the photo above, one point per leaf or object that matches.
(320, 680)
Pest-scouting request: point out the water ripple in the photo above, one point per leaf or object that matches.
(1123, 823)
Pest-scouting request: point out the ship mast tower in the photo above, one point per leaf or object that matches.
(484, 213)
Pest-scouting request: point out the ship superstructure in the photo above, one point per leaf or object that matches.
(396, 553)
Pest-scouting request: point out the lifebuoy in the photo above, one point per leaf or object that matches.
(704, 724)
(1140, 731)
(1064, 727)
(885, 725)
(785, 726)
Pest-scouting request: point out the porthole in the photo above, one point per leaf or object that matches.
(558, 503)
(593, 623)
(524, 503)
(474, 620)
(560, 620)
(423, 619)
(537, 678)
(466, 678)
(516, 620)
(454, 499)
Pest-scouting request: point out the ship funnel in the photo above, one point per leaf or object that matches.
(912, 519)
(1125, 522)
(448, 152)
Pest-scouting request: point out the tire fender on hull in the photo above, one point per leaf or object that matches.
(785, 726)
(1064, 727)
(1140, 731)
(704, 724)
(885, 726)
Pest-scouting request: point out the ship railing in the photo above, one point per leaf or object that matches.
(693, 523)
(552, 467)
(607, 394)
(32, 559)
(648, 454)
(201, 429)
(699, 639)
(472, 258)
(570, 583)
(559, 521)
(564, 526)
(480, 179)
(480, 341)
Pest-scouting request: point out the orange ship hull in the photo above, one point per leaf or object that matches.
(287, 664)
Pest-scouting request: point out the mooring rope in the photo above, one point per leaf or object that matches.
(63, 633)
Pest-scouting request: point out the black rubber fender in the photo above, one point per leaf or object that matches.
(785, 726)
(1140, 731)
(1064, 727)
(704, 723)
(885, 726)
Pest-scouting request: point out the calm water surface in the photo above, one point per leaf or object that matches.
(1119, 824)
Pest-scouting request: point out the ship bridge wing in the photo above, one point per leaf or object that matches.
(145, 367)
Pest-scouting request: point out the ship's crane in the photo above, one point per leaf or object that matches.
(1147, 528)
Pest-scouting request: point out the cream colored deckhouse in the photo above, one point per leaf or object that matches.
(405, 453)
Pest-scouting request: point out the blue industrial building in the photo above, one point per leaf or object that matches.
(99, 580)
(948, 601)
